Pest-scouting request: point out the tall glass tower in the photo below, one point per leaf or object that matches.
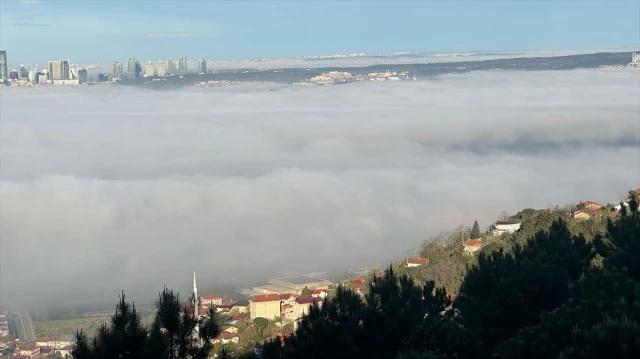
(3, 67)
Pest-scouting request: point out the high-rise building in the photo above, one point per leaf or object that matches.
(171, 67)
(33, 76)
(23, 73)
(83, 76)
(4, 74)
(182, 66)
(64, 69)
(133, 69)
(202, 66)
(161, 68)
(149, 70)
(118, 71)
(59, 70)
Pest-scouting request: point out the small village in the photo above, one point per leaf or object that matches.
(274, 309)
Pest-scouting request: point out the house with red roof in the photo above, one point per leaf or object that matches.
(472, 246)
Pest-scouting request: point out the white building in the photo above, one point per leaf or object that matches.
(506, 226)
(635, 60)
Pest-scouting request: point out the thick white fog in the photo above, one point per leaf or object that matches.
(112, 187)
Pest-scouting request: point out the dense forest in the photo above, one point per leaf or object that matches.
(556, 288)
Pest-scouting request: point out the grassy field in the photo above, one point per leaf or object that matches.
(89, 324)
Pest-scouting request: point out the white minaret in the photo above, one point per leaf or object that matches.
(195, 299)
(196, 304)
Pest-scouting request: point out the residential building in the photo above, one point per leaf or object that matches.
(210, 299)
(4, 73)
(202, 66)
(33, 77)
(635, 60)
(133, 69)
(590, 206)
(171, 67)
(29, 349)
(300, 307)
(472, 246)
(415, 261)
(580, 214)
(59, 70)
(182, 66)
(149, 71)
(320, 293)
(83, 76)
(23, 73)
(117, 72)
(161, 69)
(505, 226)
(264, 306)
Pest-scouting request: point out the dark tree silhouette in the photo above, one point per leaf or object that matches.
(475, 230)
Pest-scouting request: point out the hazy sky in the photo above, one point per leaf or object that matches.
(91, 31)
(108, 187)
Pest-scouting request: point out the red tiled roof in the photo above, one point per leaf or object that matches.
(417, 260)
(285, 296)
(319, 291)
(307, 300)
(265, 298)
(357, 282)
(473, 243)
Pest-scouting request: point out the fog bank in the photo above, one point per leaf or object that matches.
(110, 188)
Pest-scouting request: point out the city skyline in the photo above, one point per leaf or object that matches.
(36, 31)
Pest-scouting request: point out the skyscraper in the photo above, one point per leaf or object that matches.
(23, 73)
(133, 69)
(149, 70)
(171, 67)
(161, 69)
(3, 67)
(59, 70)
(182, 66)
(83, 76)
(64, 69)
(202, 66)
(118, 71)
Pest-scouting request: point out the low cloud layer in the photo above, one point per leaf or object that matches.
(109, 188)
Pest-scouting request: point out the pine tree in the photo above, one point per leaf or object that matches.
(475, 231)
(81, 348)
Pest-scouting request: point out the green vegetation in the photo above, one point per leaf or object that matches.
(561, 290)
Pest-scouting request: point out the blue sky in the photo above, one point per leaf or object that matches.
(99, 31)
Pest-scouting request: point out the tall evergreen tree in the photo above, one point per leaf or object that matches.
(475, 230)
(81, 349)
